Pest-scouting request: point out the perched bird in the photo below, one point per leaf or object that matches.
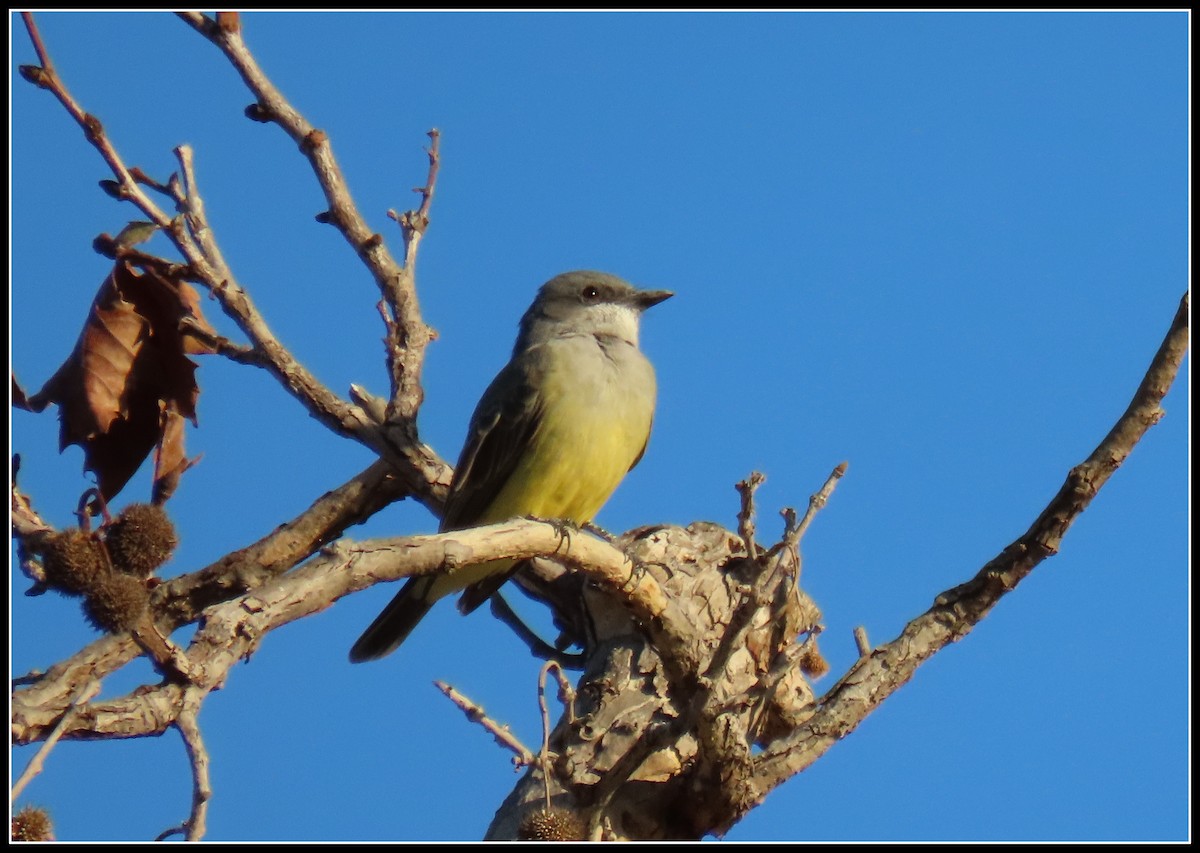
(552, 437)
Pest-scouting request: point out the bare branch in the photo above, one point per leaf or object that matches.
(956, 612)
(861, 642)
(413, 225)
(189, 728)
(181, 600)
(38, 761)
(46, 77)
(397, 284)
(421, 219)
(26, 524)
(522, 756)
(746, 488)
(193, 239)
(567, 696)
(423, 471)
(817, 501)
(342, 417)
(233, 630)
(566, 693)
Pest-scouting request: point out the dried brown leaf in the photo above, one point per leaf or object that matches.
(170, 458)
(129, 365)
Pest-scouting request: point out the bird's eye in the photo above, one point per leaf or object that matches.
(590, 294)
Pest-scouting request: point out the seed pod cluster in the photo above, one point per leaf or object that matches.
(813, 663)
(32, 824)
(141, 539)
(117, 603)
(73, 560)
(554, 824)
(110, 568)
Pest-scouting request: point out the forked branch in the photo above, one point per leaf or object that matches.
(879, 673)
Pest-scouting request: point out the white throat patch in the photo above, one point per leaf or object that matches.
(610, 318)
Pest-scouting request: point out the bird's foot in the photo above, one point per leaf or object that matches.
(564, 527)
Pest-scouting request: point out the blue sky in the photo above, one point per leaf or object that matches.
(941, 247)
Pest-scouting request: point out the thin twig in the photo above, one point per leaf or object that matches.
(794, 529)
(25, 519)
(46, 77)
(38, 46)
(172, 270)
(566, 695)
(861, 641)
(817, 501)
(37, 707)
(221, 345)
(766, 590)
(522, 755)
(179, 829)
(192, 237)
(422, 217)
(957, 611)
(36, 764)
(396, 283)
(544, 754)
(413, 225)
(746, 488)
(171, 189)
(189, 728)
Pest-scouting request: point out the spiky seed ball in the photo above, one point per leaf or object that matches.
(813, 664)
(32, 824)
(553, 824)
(117, 603)
(74, 561)
(141, 539)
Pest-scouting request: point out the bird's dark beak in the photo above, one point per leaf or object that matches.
(644, 299)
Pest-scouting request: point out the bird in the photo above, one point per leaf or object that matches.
(552, 437)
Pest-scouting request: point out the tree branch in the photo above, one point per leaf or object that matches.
(192, 237)
(502, 734)
(233, 630)
(957, 611)
(39, 759)
(746, 489)
(181, 600)
(189, 729)
(397, 284)
(423, 471)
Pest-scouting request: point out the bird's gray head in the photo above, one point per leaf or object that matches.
(586, 303)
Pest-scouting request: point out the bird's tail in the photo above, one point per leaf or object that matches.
(396, 621)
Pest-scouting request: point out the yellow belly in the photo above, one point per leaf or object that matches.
(593, 426)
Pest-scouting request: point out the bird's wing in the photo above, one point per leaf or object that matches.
(505, 420)
(480, 591)
(645, 444)
(503, 425)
